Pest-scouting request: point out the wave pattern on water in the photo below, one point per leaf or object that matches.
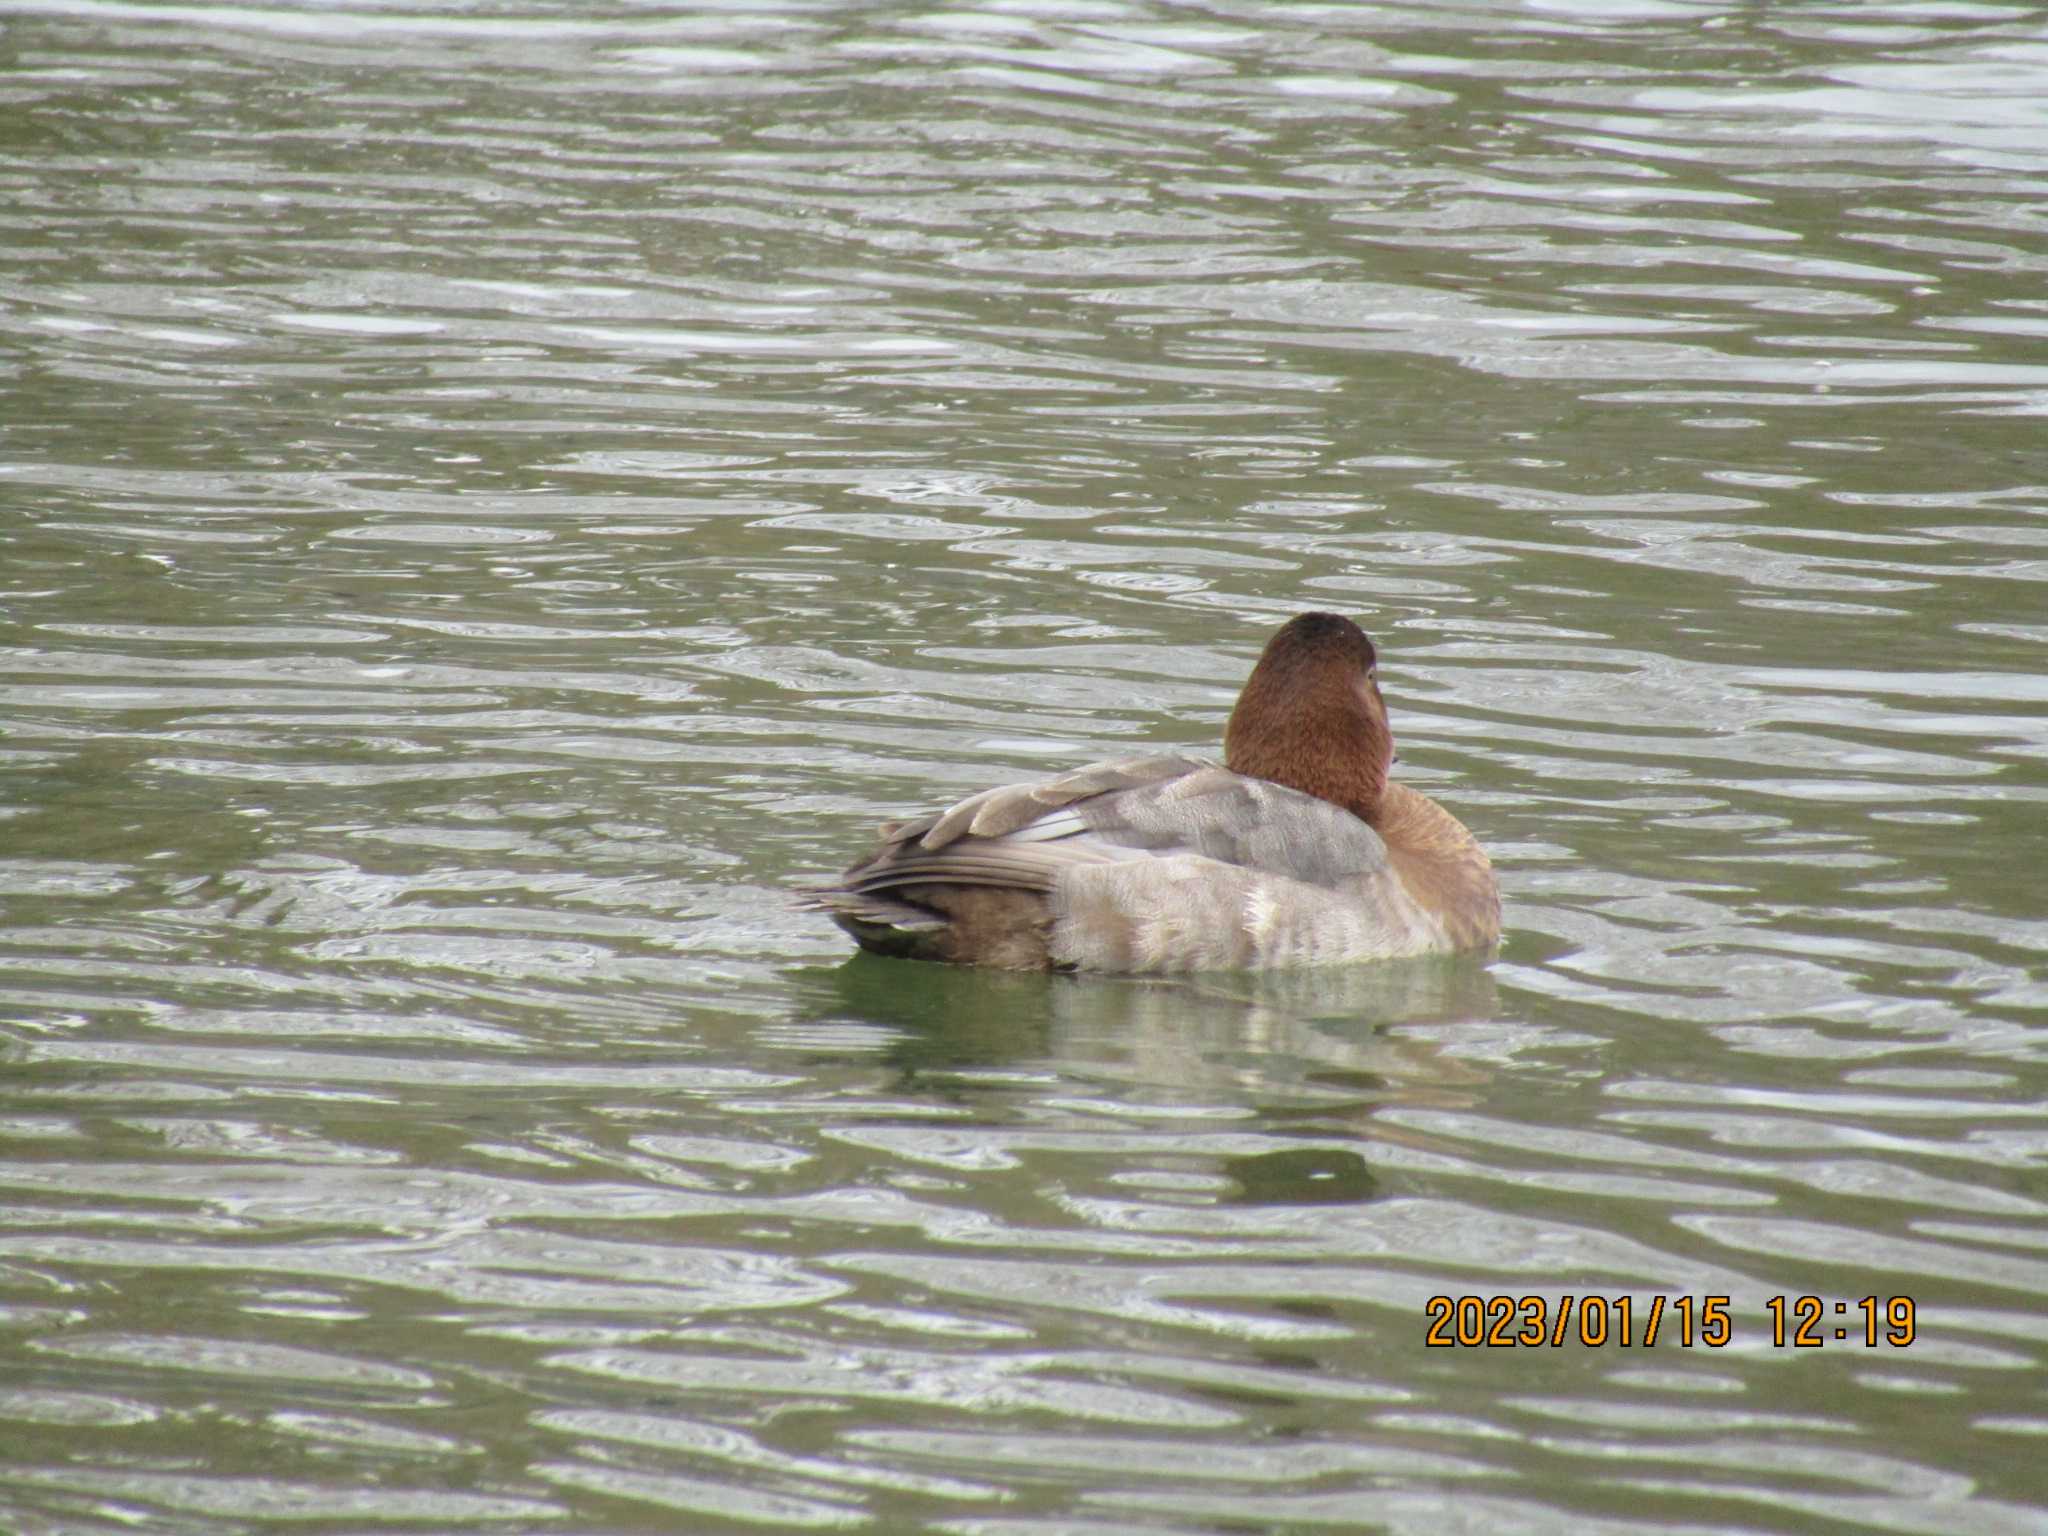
(488, 500)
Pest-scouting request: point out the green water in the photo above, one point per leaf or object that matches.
(491, 499)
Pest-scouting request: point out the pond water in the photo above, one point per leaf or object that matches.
(493, 496)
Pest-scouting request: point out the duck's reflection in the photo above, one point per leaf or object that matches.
(1272, 1035)
(1238, 1089)
(1318, 1175)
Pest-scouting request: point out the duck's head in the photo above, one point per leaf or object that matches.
(1311, 716)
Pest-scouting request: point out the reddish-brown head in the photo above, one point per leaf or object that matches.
(1311, 716)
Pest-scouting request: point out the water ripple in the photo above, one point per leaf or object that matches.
(493, 500)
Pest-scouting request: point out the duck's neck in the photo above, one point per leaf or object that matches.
(1334, 749)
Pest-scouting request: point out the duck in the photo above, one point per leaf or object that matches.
(1296, 850)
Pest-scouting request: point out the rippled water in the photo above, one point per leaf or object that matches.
(490, 497)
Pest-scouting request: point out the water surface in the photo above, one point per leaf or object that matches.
(490, 498)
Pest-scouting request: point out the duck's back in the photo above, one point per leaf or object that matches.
(1144, 864)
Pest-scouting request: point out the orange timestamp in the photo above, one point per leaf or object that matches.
(1804, 1322)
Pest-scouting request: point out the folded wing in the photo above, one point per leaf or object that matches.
(1135, 864)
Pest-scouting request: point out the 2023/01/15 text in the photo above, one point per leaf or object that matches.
(1802, 1322)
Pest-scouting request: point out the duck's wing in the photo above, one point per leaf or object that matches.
(1016, 837)
(1246, 824)
(1142, 864)
(974, 881)
(1010, 809)
(1025, 836)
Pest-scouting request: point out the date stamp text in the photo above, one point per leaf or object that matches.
(1630, 1322)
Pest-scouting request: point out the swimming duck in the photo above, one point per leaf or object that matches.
(1297, 851)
